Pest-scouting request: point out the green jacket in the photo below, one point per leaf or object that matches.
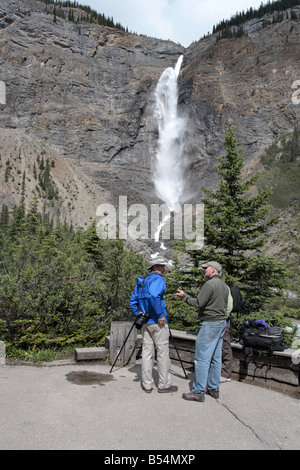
(211, 301)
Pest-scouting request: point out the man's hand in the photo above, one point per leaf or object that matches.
(162, 321)
(179, 293)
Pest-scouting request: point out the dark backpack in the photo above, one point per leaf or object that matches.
(238, 301)
(265, 341)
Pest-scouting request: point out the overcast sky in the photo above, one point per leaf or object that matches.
(181, 21)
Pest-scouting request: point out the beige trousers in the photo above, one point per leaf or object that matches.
(156, 338)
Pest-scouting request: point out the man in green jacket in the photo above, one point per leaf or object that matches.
(212, 304)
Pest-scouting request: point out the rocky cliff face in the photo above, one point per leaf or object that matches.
(246, 82)
(81, 96)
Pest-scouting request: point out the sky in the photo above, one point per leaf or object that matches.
(181, 21)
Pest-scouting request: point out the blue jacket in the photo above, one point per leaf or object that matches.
(149, 297)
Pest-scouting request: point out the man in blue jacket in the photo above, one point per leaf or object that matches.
(148, 297)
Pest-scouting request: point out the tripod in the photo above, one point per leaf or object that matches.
(122, 346)
(172, 339)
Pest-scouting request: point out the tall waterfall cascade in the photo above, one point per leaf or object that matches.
(168, 174)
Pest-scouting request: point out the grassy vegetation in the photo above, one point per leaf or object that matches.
(39, 355)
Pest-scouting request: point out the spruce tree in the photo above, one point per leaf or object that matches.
(236, 226)
(4, 218)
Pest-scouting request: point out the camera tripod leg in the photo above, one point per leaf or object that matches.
(171, 336)
(122, 347)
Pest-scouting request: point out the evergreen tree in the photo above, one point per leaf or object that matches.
(236, 226)
(59, 286)
(4, 218)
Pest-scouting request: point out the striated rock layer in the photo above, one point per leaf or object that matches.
(82, 96)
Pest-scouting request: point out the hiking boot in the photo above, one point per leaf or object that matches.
(172, 388)
(213, 393)
(194, 396)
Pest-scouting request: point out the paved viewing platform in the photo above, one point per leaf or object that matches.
(81, 405)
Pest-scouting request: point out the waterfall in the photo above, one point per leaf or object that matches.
(168, 174)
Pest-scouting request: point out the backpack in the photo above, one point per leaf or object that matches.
(238, 301)
(265, 341)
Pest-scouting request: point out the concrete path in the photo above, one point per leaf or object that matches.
(83, 406)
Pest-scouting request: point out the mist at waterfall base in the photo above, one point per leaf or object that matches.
(168, 174)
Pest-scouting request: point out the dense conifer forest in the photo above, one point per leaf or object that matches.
(60, 287)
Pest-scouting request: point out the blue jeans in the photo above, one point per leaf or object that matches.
(208, 355)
